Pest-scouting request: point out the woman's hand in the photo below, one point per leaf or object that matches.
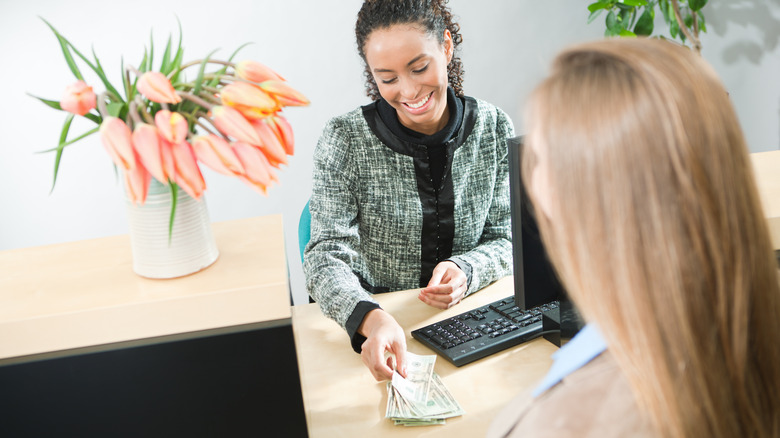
(383, 335)
(446, 288)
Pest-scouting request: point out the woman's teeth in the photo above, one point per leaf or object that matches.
(420, 103)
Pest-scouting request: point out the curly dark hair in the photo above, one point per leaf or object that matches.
(432, 15)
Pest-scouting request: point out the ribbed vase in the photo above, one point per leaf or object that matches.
(191, 246)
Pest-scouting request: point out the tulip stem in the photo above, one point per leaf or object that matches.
(210, 61)
(193, 98)
(203, 125)
(101, 104)
(210, 97)
(199, 62)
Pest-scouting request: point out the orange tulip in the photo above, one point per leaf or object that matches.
(172, 125)
(284, 94)
(256, 72)
(146, 141)
(168, 163)
(283, 132)
(216, 153)
(248, 99)
(137, 182)
(257, 171)
(157, 88)
(270, 144)
(188, 175)
(78, 98)
(231, 122)
(118, 142)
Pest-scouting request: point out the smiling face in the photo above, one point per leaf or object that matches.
(410, 70)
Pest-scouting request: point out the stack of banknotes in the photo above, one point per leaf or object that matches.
(420, 399)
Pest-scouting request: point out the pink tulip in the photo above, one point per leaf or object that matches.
(270, 145)
(217, 154)
(256, 72)
(283, 132)
(118, 142)
(248, 99)
(188, 175)
(257, 170)
(284, 94)
(137, 182)
(168, 162)
(230, 122)
(146, 141)
(157, 88)
(78, 98)
(172, 125)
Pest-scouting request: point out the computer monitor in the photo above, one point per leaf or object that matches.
(535, 280)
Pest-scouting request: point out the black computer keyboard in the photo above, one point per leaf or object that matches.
(483, 331)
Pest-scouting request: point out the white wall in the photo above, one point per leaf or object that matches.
(507, 47)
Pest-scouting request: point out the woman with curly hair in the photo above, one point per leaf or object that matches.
(411, 190)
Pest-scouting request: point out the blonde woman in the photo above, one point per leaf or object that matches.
(644, 191)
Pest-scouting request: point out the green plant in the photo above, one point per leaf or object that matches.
(637, 17)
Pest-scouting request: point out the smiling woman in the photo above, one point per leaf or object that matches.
(411, 190)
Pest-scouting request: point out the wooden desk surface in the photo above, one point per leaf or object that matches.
(767, 169)
(83, 294)
(342, 399)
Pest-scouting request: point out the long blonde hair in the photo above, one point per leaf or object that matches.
(657, 231)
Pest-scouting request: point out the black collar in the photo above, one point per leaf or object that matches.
(406, 142)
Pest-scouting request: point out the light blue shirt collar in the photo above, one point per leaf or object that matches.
(581, 349)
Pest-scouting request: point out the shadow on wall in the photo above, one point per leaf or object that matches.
(757, 13)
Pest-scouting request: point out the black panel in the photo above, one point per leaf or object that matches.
(535, 280)
(231, 385)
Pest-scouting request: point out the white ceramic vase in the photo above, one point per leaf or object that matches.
(191, 247)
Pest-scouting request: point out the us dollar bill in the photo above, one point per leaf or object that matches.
(405, 403)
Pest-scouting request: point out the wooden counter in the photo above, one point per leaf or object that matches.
(342, 399)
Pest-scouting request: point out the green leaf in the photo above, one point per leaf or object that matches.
(166, 60)
(201, 72)
(102, 74)
(176, 64)
(594, 15)
(71, 141)
(613, 27)
(635, 2)
(115, 108)
(696, 5)
(627, 33)
(702, 23)
(218, 74)
(174, 199)
(151, 50)
(688, 20)
(593, 7)
(60, 147)
(666, 10)
(52, 103)
(66, 51)
(56, 105)
(674, 28)
(644, 26)
(235, 52)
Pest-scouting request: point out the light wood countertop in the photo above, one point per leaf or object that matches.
(342, 399)
(85, 293)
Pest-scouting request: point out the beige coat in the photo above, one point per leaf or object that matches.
(594, 401)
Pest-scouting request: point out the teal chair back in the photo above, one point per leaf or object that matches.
(304, 229)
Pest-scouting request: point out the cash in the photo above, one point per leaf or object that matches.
(421, 399)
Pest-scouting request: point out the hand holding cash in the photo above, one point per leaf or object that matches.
(421, 399)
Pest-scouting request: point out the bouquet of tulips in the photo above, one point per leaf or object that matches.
(163, 124)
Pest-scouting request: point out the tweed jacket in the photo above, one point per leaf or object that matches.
(378, 224)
